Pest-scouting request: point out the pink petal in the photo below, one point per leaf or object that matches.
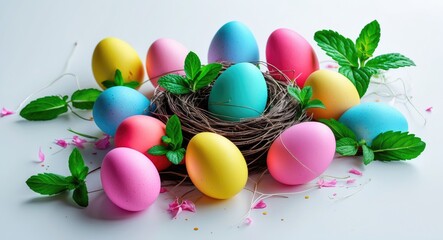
(332, 66)
(429, 109)
(248, 221)
(163, 190)
(175, 208)
(188, 205)
(78, 142)
(355, 172)
(103, 143)
(260, 205)
(350, 181)
(5, 112)
(322, 183)
(41, 155)
(174, 204)
(62, 143)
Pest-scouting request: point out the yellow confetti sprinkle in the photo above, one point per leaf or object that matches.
(265, 213)
(306, 197)
(196, 229)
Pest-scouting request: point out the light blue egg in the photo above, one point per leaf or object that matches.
(240, 92)
(116, 104)
(367, 120)
(233, 43)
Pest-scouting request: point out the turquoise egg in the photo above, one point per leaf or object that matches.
(238, 93)
(233, 43)
(115, 104)
(369, 119)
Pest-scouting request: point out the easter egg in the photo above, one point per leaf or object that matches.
(141, 133)
(215, 165)
(290, 53)
(369, 119)
(335, 91)
(233, 43)
(238, 93)
(111, 54)
(301, 153)
(165, 56)
(129, 179)
(115, 104)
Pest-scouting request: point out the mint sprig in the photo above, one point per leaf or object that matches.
(172, 142)
(356, 60)
(197, 76)
(303, 97)
(52, 184)
(387, 146)
(119, 81)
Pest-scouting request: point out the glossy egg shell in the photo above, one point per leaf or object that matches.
(335, 91)
(215, 165)
(301, 153)
(165, 56)
(238, 93)
(116, 104)
(111, 54)
(129, 179)
(290, 53)
(369, 119)
(140, 133)
(233, 43)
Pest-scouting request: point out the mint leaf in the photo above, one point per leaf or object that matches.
(132, 84)
(295, 92)
(360, 77)
(389, 61)
(85, 98)
(316, 103)
(368, 40)
(158, 150)
(207, 75)
(166, 139)
(176, 156)
(368, 155)
(118, 78)
(339, 129)
(45, 108)
(108, 84)
(174, 131)
(174, 83)
(192, 65)
(80, 195)
(338, 47)
(391, 146)
(346, 146)
(48, 183)
(77, 165)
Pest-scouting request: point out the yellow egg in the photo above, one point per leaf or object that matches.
(215, 165)
(337, 93)
(111, 54)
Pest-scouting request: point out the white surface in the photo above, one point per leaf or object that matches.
(401, 200)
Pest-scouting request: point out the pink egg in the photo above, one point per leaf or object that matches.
(129, 179)
(140, 133)
(292, 54)
(301, 153)
(165, 56)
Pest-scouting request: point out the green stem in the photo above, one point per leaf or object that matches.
(82, 134)
(76, 114)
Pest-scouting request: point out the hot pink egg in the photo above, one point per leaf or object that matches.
(140, 133)
(129, 179)
(292, 54)
(165, 56)
(301, 153)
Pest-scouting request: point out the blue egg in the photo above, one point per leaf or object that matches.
(238, 93)
(233, 43)
(367, 120)
(116, 104)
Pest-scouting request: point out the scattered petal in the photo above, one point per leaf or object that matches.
(175, 208)
(163, 190)
(62, 143)
(260, 205)
(103, 143)
(78, 142)
(321, 183)
(248, 221)
(332, 66)
(350, 181)
(5, 112)
(429, 109)
(41, 155)
(188, 205)
(335, 194)
(355, 172)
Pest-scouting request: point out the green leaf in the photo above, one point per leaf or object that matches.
(339, 129)
(132, 84)
(389, 61)
(158, 150)
(368, 155)
(360, 77)
(391, 146)
(166, 140)
(338, 47)
(207, 75)
(174, 131)
(175, 84)
(48, 183)
(176, 156)
(118, 78)
(77, 165)
(306, 93)
(346, 146)
(80, 195)
(108, 83)
(368, 40)
(85, 98)
(192, 65)
(295, 92)
(316, 103)
(45, 108)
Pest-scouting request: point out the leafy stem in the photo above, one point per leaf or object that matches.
(304, 97)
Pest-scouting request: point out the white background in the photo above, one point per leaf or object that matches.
(400, 200)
